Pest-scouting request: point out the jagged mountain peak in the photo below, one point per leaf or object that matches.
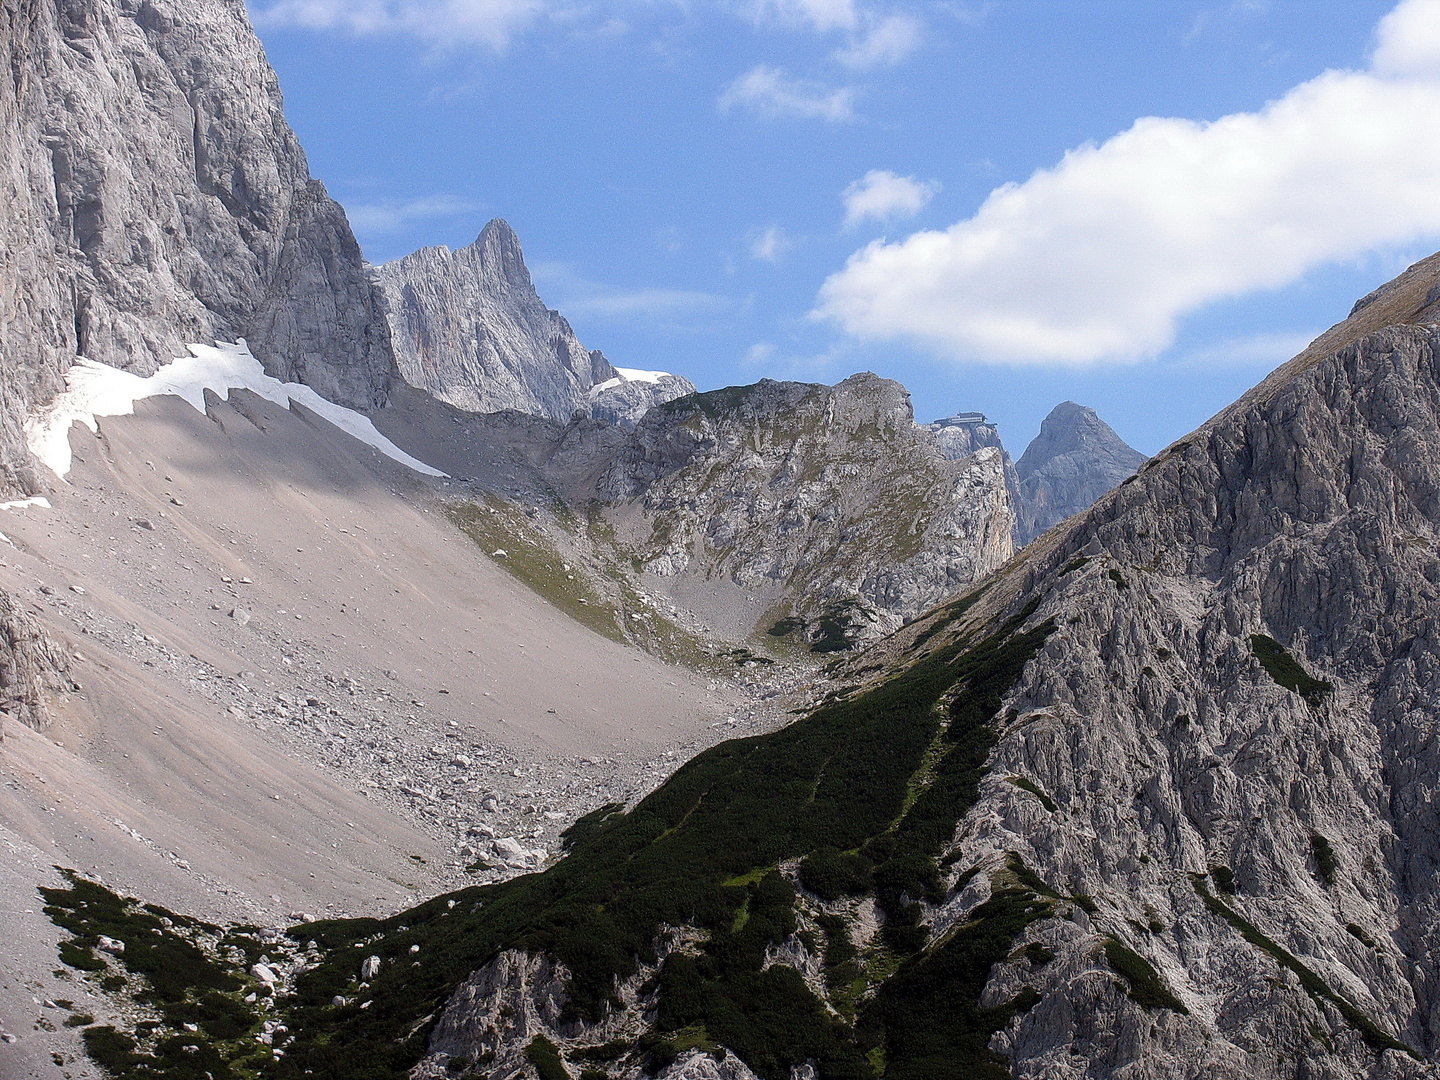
(1075, 458)
(469, 329)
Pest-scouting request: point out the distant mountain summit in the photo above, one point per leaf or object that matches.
(1074, 460)
(470, 329)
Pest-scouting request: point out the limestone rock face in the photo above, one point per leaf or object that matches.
(1074, 460)
(33, 667)
(1192, 774)
(626, 398)
(155, 196)
(829, 498)
(470, 329)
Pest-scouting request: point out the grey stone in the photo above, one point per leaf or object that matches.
(155, 196)
(1075, 459)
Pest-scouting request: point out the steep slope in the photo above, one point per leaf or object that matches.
(1074, 460)
(470, 329)
(1156, 800)
(155, 196)
(826, 506)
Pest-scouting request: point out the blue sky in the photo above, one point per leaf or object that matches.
(808, 188)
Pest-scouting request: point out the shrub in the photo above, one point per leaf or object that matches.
(1287, 671)
(1146, 986)
(545, 1056)
(831, 874)
(1324, 856)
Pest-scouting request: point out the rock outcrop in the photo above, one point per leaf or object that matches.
(828, 500)
(470, 329)
(626, 398)
(1074, 460)
(154, 197)
(33, 667)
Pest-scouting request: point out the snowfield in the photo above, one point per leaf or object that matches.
(94, 389)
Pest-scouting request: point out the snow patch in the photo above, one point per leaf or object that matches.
(94, 389)
(628, 374)
(21, 504)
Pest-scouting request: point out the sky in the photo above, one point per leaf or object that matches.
(1140, 207)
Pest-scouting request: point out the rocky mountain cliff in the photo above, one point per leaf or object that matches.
(470, 329)
(155, 196)
(828, 503)
(1155, 800)
(1075, 459)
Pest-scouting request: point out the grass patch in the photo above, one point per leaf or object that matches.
(1144, 981)
(532, 559)
(177, 974)
(1074, 564)
(1374, 1037)
(1287, 671)
(1224, 879)
(1360, 935)
(1118, 578)
(1034, 789)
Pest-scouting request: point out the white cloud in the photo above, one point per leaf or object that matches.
(887, 41)
(387, 218)
(770, 92)
(882, 195)
(1096, 259)
(443, 22)
(771, 244)
(1408, 40)
(821, 15)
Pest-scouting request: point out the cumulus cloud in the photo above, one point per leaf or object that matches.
(771, 244)
(1096, 259)
(770, 92)
(444, 22)
(882, 195)
(886, 41)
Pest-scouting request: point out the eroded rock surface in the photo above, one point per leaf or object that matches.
(1075, 459)
(829, 498)
(155, 196)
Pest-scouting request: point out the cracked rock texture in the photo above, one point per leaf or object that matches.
(32, 667)
(1075, 459)
(1308, 512)
(830, 499)
(156, 196)
(470, 329)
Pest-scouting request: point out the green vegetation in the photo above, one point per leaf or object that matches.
(1224, 879)
(1324, 856)
(545, 1056)
(1118, 578)
(1074, 564)
(1039, 955)
(1029, 785)
(1287, 671)
(1145, 983)
(497, 525)
(180, 977)
(1313, 984)
(925, 1021)
(831, 874)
